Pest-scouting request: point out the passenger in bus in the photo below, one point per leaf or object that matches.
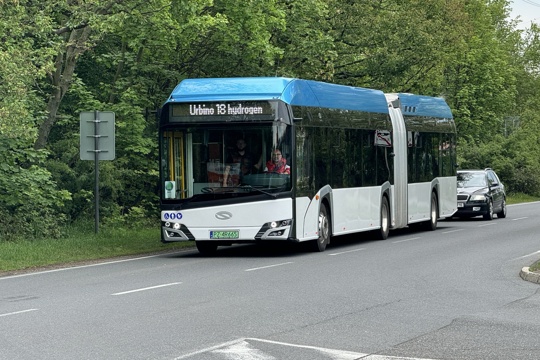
(278, 164)
(245, 160)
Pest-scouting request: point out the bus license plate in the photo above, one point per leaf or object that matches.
(224, 234)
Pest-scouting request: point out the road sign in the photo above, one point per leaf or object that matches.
(97, 135)
(97, 143)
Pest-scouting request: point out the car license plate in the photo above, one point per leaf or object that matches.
(460, 205)
(224, 234)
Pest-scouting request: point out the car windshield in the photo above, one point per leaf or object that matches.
(471, 179)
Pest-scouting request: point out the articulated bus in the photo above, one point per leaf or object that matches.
(356, 160)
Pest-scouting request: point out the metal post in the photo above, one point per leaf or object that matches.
(96, 169)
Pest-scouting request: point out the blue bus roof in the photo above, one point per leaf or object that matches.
(291, 91)
(420, 105)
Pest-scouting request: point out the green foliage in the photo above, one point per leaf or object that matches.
(482, 82)
(308, 49)
(59, 58)
(31, 206)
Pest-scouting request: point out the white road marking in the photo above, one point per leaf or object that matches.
(452, 231)
(269, 266)
(18, 312)
(404, 240)
(208, 349)
(526, 256)
(525, 203)
(245, 349)
(488, 224)
(146, 288)
(85, 266)
(334, 354)
(346, 252)
(521, 218)
(384, 357)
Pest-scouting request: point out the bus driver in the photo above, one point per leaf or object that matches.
(278, 164)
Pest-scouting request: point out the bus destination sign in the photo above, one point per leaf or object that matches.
(251, 110)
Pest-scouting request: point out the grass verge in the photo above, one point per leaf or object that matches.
(535, 267)
(520, 198)
(82, 245)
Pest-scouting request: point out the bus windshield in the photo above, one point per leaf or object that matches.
(218, 161)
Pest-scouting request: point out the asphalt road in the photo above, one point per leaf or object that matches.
(454, 293)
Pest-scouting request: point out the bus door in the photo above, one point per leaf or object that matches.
(173, 172)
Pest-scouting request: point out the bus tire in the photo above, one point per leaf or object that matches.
(384, 230)
(431, 224)
(319, 245)
(206, 247)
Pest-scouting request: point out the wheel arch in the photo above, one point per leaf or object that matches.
(386, 192)
(327, 200)
(435, 189)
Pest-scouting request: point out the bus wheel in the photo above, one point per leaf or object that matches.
(324, 230)
(206, 247)
(382, 233)
(433, 214)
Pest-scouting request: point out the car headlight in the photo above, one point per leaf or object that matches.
(478, 198)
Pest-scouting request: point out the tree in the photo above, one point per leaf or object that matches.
(482, 81)
(396, 46)
(30, 203)
(306, 41)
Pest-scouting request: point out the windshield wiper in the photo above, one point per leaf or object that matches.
(212, 191)
(251, 188)
(207, 192)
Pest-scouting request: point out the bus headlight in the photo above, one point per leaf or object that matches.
(273, 229)
(280, 223)
(286, 222)
(176, 226)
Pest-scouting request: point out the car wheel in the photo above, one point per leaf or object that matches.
(319, 245)
(489, 214)
(382, 233)
(502, 214)
(206, 247)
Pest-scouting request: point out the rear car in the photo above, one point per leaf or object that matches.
(480, 193)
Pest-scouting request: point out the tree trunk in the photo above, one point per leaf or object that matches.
(61, 80)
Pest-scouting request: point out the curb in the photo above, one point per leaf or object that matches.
(527, 275)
